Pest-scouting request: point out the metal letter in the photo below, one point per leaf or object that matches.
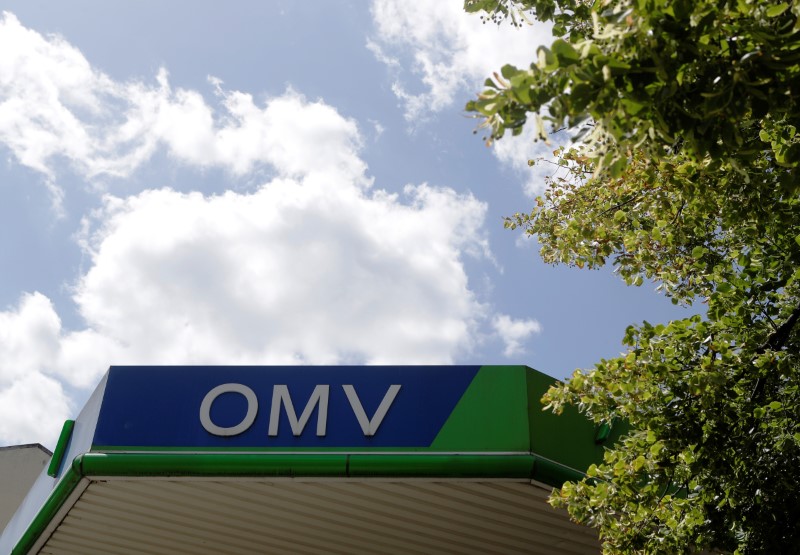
(370, 427)
(211, 396)
(280, 393)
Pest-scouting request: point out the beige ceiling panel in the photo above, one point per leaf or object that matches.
(217, 517)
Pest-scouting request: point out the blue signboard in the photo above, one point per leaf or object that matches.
(246, 407)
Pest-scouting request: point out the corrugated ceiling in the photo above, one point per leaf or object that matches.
(217, 516)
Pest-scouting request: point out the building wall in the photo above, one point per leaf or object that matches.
(20, 465)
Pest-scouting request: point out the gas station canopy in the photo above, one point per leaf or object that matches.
(386, 459)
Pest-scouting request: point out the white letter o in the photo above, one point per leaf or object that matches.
(211, 396)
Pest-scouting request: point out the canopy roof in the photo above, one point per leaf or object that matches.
(311, 460)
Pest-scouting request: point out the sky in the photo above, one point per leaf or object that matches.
(277, 183)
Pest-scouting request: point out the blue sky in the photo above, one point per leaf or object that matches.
(268, 183)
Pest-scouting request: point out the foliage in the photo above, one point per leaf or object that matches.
(684, 173)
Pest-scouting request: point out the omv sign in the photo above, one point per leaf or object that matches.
(277, 407)
(281, 397)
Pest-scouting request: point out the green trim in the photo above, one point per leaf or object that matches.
(201, 464)
(527, 467)
(61, 448)
(555, 474)
(45, 516)
(308, 465)
(449, 466)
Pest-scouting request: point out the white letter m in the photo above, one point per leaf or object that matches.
(280, 393)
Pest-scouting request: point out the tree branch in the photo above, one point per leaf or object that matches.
(775, 341)
(778, 338)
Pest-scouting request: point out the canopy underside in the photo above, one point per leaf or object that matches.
(197, 516)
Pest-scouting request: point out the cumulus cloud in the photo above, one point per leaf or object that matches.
(450, 51)
(33, 405)
(55, 106)
(33, 409)
(294, 273)
(245, 134)
(514, 332)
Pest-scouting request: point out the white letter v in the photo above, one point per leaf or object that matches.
(370, 427)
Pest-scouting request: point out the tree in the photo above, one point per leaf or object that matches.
(683, 172)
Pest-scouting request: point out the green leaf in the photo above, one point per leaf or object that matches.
(566, 54)
(632, 107)
(581, 95)
(617, 166)
(775, 11)
(508, 71)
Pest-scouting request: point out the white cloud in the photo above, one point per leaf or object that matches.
(48, 93)
(514, 333)
(55, 106)
(245, 134)
(294, 273)
(451, 51)
(28, 337)
(33, 409)
(32, 405)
